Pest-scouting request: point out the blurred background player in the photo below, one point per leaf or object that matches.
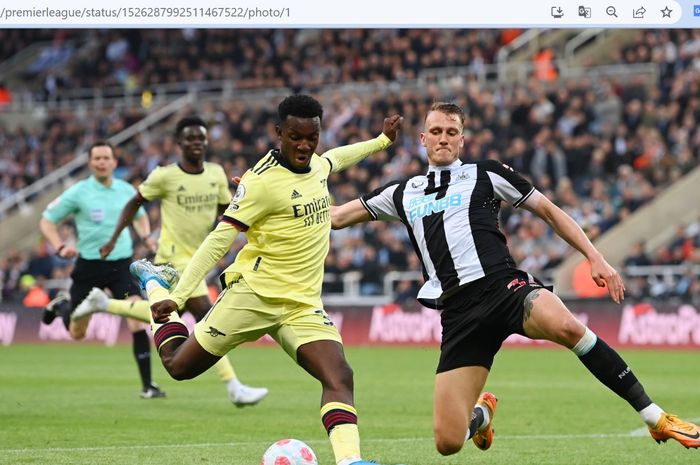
(95, 204)
(274, 285)
(193, 194)
(452, 215)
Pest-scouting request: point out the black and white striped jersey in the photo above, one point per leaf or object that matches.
(451, 215)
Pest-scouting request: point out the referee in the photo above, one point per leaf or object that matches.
(95, 204)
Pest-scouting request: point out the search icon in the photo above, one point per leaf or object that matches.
(611, 11)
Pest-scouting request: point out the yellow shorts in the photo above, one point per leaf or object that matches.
(240, 315)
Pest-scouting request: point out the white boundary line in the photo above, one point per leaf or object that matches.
(311, 442)
(634, 434)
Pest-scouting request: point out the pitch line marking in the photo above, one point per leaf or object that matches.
(630, 435)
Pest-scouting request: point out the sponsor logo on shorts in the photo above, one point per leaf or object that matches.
(214, 332)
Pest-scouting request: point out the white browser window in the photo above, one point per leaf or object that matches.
(359, 13)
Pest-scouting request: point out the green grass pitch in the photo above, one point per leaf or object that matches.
(78, 404)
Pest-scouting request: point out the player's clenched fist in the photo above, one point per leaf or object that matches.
(161, 310)
(392, 125)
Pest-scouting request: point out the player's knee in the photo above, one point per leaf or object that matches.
(571, 331)
(446, 445)
(340, 379)
(177, 371)
(344, 379)
(77, 333)
(347, 376)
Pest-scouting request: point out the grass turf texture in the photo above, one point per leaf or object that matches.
(79, 404)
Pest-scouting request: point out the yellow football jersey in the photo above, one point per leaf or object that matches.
(188, 207)
(286, 217)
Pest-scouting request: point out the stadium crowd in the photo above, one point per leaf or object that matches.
(293, 58)
(599, 149)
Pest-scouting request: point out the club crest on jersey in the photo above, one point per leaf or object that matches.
(463, 176)
(240, 193)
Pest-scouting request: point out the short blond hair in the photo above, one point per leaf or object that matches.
(448, 109)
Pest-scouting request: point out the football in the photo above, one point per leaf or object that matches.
(289, 452)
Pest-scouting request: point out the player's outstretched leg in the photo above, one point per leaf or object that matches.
(546, 317)
(610, 369)
(483, 427)
(98, 301)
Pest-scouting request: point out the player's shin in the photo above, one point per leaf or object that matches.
(173, 332)
(610, 369)
(340, 421)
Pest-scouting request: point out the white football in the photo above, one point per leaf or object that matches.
(289, 452)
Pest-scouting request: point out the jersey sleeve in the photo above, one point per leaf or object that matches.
(62, 206)
(250, 203)
(214, 247)
(380, 202)
(346, 156)
(154, 185)
(224, 192)
(507, 184)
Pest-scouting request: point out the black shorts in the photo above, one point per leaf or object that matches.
(480, 316)
(113, 275)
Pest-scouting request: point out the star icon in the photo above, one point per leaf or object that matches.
(666, 12)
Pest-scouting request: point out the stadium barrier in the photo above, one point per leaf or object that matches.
(634, 325)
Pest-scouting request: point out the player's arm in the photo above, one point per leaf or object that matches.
(348, 214)
(344, 157)
(215, 246)
(142, 226)
(126, 217)
(565, 226)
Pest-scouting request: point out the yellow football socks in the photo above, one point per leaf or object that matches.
(340, 421)
(136, 309)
